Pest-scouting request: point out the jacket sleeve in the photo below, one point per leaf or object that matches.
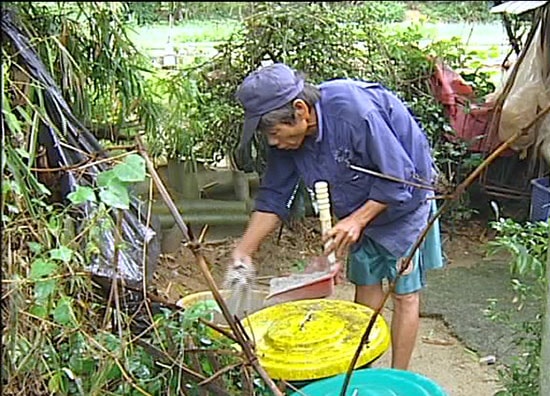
(385, 152)
(278, 186)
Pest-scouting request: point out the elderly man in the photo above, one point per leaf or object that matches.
(316, 133)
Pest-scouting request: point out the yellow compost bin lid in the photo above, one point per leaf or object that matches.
(311, 339)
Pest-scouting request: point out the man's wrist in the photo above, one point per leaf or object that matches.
(243, 250)
(369, 211)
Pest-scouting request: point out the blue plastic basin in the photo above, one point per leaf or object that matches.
(376, 382)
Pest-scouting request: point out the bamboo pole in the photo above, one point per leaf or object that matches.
(233, 322)
(203, 218)
(459, 190)
(203, 205)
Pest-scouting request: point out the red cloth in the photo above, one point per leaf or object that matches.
(470, 120)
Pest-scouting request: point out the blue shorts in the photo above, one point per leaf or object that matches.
(371, 263)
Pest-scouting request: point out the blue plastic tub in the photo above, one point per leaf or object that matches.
(540, 199)
(376, 382)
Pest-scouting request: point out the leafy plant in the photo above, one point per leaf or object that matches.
(150, 12)
(528, 246)
(89, 55)
(180, 130)
(282, 32)
(456, 11)
(113, 184)
(63, 333)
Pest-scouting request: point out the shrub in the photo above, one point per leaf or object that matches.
(528, 246)
(456, 11)
(325, 43)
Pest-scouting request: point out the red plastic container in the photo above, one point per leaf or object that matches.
(319, 288)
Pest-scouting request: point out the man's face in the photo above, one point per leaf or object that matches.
(287, 137)
(291, 136)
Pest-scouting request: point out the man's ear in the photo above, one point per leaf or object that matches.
(301, 108)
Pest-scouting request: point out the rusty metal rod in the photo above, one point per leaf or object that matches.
(391, 178)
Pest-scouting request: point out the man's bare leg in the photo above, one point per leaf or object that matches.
(405, 320)
(404, 328)
(371, 296)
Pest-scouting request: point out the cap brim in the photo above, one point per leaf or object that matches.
(249, 129)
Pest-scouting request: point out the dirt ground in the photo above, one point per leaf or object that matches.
(438, 354)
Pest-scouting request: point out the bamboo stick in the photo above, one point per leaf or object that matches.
(203, 218)
(202, 205)
(233, 322)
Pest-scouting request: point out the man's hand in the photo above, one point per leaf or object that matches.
(344, 234)
(348, 230)
(240, 260)
(239, 255)
(240, 272)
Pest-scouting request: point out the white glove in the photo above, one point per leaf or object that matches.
(240, 273)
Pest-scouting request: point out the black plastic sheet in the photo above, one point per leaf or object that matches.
(68, 142)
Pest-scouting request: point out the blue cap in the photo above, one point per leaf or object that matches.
(265, 90)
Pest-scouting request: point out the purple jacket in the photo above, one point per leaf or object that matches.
(362, 124)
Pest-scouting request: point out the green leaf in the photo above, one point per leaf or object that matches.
(41, 268)
(63, 313)
(104, 179)
(57, 383)
(12, 208)
(116, 196)
(43, 189)
(81, 365)
(54, 224)
(39, 310)
(43, 289)
(132, 169)
(12, 121)
(63, 254)
(34, 247)
(23, 153)
(109, 341)
(81, 195)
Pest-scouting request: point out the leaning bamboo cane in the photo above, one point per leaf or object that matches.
(459, 190)
(237, 330)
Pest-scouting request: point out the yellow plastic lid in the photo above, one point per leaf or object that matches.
(312, 339)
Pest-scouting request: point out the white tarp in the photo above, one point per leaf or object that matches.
(529, 95)
(517, 7)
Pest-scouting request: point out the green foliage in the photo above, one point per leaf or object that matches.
(58, 338)
(113, 184)
(58, 333)
(316, 39)
(180, 131)
(200, 10)
(456, 11)
(146, 13)
(528, 246)
(85, 48)
(377, 11)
